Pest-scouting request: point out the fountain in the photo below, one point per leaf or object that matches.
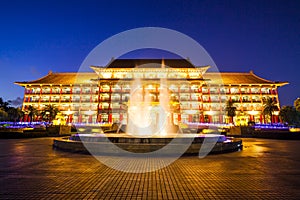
(149, 128)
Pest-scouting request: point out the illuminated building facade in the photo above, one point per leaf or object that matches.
(194, 94)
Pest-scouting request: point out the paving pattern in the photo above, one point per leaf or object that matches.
(265, 169)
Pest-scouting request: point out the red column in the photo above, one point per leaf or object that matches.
(220, 118)
(179, 117)
(274, 119)
(99, 119)
(50, 93)
(25, 118)
(60, 93)
(210, 119)
(91, 95)
(190, 118)
(28, 97)
(110, 118)
(71, 92)
(260, 119)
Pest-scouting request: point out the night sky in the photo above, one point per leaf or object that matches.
(38, 36)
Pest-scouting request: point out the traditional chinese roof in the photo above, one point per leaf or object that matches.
(62, 78)
(151, 63)
(226, 78)
(242, 78)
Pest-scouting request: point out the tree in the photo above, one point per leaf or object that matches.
(297, 104)
(290, 115)
(49, 113)
(269, 107)
(14, 114)
(230, 110)
(31, 111)
(4, 104)
(3, 114)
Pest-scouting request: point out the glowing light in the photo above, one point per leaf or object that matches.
(191, 112)
(210, 112)
(252, 112)
(294, 129)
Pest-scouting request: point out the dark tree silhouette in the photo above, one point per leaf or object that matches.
(49, 113)
(297, 104)
(269, 107)
(230, 110)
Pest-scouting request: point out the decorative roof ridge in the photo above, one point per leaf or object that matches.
(69, 73)
(22, 82)
(256, 76)
(282, 83)
(250, 73)
(238, 73)
(51, 73)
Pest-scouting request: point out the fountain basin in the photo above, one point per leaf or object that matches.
(79, 142)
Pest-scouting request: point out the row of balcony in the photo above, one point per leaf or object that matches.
(119, 109)
(152, 100)
(181, 95)
(127, 90)
(58, 93)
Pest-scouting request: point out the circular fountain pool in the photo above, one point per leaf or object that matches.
(102, 143)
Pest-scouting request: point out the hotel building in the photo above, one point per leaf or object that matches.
(194, 95)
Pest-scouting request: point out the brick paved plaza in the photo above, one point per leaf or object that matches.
(265, 169)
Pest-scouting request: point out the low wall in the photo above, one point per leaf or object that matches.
(250, 132)
(78, 146)
(59, 130)
(12, 133)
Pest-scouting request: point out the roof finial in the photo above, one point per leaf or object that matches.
(251, 72)
(50, 72)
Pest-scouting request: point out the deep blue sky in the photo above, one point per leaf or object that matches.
(38, 36)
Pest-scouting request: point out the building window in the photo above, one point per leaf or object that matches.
(244, 90)
(205, 90)
(215, 98)
(235, 98)
(46, 90)
(224, 90)
(234, 90)
(266, 90)
(213, 90)
(173, 88)
(105, 88)
(116, 88)
(254, 90)
(76, 90)
(255, 99)
(246, 99)
(224, 98)
(184, 88)
(36, 90)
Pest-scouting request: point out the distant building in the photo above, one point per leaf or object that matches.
(194, 95)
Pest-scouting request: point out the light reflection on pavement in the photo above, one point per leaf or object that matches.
(30, 168)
